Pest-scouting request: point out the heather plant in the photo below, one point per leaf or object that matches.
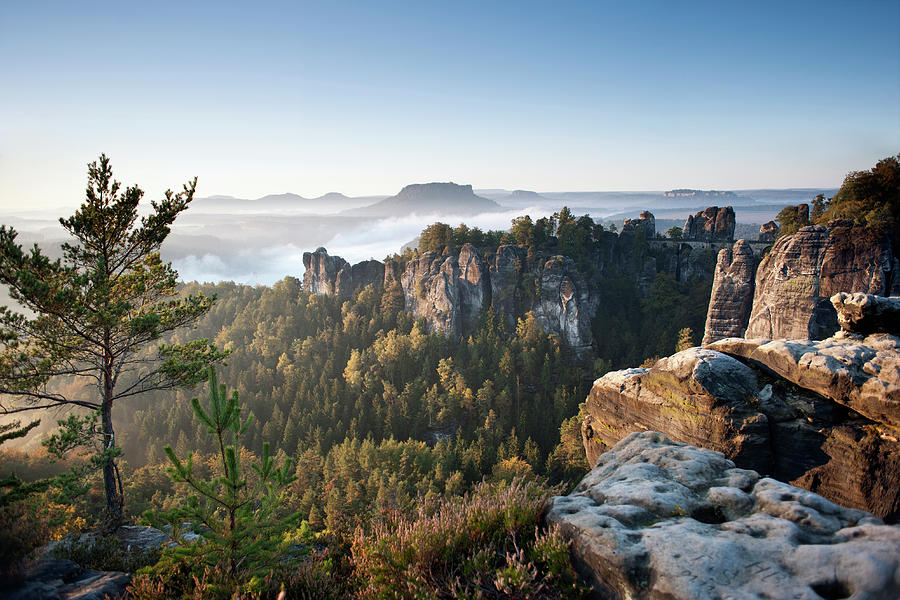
(486, 544)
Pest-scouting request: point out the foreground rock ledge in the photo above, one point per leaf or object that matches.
(657, 519)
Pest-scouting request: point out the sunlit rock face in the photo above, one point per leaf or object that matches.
(732, 293)
(796, 279)
(324, 274)
(447, 290)
(821, 414)
(711, 225)
(791, 287)
(334, 276)
(657, 519)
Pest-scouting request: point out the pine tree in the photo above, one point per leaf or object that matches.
(239, 519)
(96, 310)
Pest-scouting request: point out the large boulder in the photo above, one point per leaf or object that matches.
(657, 519)
(732, 293)
(862, 374)
(824, 415)
(866, 313)
(698, 396)
(54, 579)
(797, 278)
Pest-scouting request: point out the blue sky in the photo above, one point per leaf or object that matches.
(365, 97)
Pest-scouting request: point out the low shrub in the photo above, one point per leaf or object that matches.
(486, 544)
(103, 553)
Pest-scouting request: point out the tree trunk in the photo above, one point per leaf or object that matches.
(111, 486)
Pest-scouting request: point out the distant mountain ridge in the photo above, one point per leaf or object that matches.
(429, 198)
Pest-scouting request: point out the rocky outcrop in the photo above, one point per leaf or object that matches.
(768, 232)
(506, 273)
(447, 290)
(333, 276)
(793, 284)
(711, 225)
(697, 396)
(646, 222)
(324, 273)
(565, 305)
(657, 519)
(861, 374)
(732, 293)
(865, 313)
(823, 415)
(53, 579)
(797, 278)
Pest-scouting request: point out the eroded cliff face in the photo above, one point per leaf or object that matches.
(324, 274)
(449, 292)
(797, 277)
(732, 293)
(449, 289)
(790, 288)
(565, 305)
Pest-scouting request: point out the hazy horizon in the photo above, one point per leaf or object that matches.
(365, 98)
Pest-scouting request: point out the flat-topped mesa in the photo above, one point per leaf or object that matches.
(732, 293)
(711, 225)
(646, 222)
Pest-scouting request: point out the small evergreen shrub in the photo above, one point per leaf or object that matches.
(486, 544)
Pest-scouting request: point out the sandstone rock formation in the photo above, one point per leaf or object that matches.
(768, 232)
(323, 272)
(865, 313)
(712, 224)
(565, 305)
(646, 222)
(52, 579)
(794, 282)
(823, 415)
(732, 293)
(445, 290)
(656, 519)
(796, 279)
(697, 396)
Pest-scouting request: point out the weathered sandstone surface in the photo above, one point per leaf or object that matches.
(865, 313)
(797, 278)
(791, 288)
(823, 415)
(732, 293)
(657, 519)
(712, 224)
